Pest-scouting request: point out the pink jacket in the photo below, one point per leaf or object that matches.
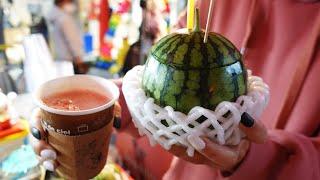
(278, 37)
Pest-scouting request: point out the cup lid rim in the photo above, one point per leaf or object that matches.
(113, 88)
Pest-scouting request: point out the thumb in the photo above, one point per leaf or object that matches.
(36, 128)
(39, 136)
(255, 130)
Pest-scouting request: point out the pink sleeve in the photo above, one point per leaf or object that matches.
(285, 156)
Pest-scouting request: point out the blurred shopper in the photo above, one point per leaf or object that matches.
(38, 24)
(66, 35)
(153, 27)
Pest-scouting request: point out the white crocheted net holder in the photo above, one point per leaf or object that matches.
(147, 115)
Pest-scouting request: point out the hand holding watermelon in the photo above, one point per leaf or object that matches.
(191, 88)
(225, 158)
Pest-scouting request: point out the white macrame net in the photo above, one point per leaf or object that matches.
(147, 115)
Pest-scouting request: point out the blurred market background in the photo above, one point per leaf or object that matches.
(104, 38)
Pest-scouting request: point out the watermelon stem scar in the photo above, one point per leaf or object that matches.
(196, 27)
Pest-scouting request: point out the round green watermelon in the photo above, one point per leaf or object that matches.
(183, 72)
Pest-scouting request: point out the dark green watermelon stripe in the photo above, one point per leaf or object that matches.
(165, 86)
(160, 54)
(170, 78)
(219, 54)
(171, 45)
(170, 56)
(167, 38)
(212, 58)
(171, 49)
(225, 41)
(161, 41)
(164, 48)
(187, 60)
(245, 74)
(232, 49)
(204, 84)
(165, 43)
(146, 82)
(155, 81)
(187, 66)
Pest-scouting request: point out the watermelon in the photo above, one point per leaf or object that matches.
(183, 72)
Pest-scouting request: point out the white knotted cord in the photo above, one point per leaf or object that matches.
(147, 115)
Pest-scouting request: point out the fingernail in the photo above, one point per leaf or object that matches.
(48, 165)
(247, 120)
(48, 154)
(36, 133)
(196, 142)
(117, 123)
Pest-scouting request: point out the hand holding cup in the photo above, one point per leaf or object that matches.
(74, 124)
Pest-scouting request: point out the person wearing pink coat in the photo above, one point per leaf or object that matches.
(281, 43)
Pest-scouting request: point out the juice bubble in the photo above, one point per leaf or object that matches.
(65, 104)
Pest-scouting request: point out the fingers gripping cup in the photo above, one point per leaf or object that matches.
(77, 114)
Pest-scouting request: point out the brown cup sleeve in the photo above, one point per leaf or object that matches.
(83, 156)
(76, 125)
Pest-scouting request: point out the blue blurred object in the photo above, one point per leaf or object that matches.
(19, 163)
(111, 32)
(88, 43)
(104, 64)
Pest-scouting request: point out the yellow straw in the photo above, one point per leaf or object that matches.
(190, 15)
